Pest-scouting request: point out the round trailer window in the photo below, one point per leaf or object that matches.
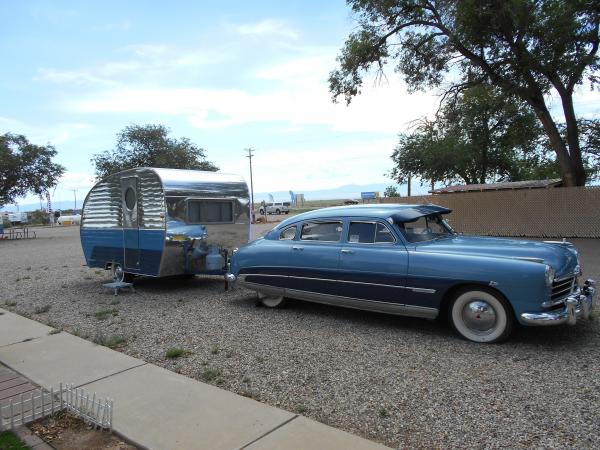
(130, 198)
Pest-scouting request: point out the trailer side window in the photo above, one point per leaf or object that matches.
(209, 211)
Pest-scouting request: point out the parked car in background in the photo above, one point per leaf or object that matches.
(407, 260)
(275, 208)
(350, 202)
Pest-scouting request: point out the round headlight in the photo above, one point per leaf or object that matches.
(549, 275)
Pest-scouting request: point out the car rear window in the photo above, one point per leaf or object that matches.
(321, 231)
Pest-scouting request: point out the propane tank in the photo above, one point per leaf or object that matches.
(214, 260)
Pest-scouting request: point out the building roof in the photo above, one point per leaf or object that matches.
(530, 184)
(398, 212)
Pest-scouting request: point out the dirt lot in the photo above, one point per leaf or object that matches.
(400, 381)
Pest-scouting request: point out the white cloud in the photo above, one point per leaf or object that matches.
(71, 77)
(268, 27)
(316, 166)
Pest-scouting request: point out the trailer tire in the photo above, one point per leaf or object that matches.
(119, 275)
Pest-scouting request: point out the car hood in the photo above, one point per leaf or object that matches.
(562, 257)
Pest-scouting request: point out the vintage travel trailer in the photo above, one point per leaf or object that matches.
(164, 222)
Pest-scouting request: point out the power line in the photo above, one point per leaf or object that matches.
(249, 156)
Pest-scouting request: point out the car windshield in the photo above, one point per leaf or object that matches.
(425, 228)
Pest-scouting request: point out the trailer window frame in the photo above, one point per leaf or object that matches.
(228, 201)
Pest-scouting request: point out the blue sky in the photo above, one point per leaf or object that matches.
(227, 75)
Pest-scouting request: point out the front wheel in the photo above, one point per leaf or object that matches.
(481, 316)
(271, 301)
(261, 211)
(277, 212)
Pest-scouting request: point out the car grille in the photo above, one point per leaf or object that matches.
(562, 288)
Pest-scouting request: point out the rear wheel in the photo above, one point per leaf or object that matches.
(261, 211)
(271, 301)
(119, 275)
(481, 316)
(277, 211)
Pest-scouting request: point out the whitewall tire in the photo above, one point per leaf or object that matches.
(271, 301)
(480, 315)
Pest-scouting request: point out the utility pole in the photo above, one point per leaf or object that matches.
(75, 197)
(249, 156)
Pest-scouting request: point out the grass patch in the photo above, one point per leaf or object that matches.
(55, 331)
(104, 313)
(113, 341)
(214, 350)
(250, 394)
(210, 374)
(246, 379)
(176, 352)
(10, 441)
(77, 332)
(10, 303)
(301, 409)
(42, 309)
(383, 413)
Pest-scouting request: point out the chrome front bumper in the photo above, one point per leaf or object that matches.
(578, 305)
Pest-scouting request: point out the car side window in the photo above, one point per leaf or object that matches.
(361, 232)
(288, 234)
(321, 231)
(384, 235)
(369, 233)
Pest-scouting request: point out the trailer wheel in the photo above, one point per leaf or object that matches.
(119, 275)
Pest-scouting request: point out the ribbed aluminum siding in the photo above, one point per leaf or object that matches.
(103, 206)
(151, 200)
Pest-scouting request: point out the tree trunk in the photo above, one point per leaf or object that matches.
(556, 141)
(573, 138)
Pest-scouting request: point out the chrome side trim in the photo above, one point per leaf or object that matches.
(345, 302)
(362, 304)
(414, 289)
(421, 290)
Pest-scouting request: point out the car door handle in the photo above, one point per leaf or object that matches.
(348, 252)
(295, 247)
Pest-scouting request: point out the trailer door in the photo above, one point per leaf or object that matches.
(131, 231)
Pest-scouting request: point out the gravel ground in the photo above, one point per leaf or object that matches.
(404, 382)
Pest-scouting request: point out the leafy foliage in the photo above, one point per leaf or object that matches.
(483, 135)
(391, 191)
(527, 48)
(25, 167)
(150, 146)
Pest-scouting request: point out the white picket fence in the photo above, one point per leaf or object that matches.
(41, 402)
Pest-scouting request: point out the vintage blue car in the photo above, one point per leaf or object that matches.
(407, 260)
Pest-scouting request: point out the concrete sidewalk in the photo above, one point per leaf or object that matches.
(156, 408)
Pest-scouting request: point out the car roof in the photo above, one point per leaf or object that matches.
(397, 212)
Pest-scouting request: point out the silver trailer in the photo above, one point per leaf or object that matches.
(163, 222)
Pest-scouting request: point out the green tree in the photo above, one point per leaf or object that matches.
(26, 168)
(391, 191)
(480, 135)
(528, 48)
(150, 146)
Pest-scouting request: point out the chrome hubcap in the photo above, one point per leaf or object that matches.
(479, 316)
(118, 274)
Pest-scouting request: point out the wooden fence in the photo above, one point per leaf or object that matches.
(553, 212)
